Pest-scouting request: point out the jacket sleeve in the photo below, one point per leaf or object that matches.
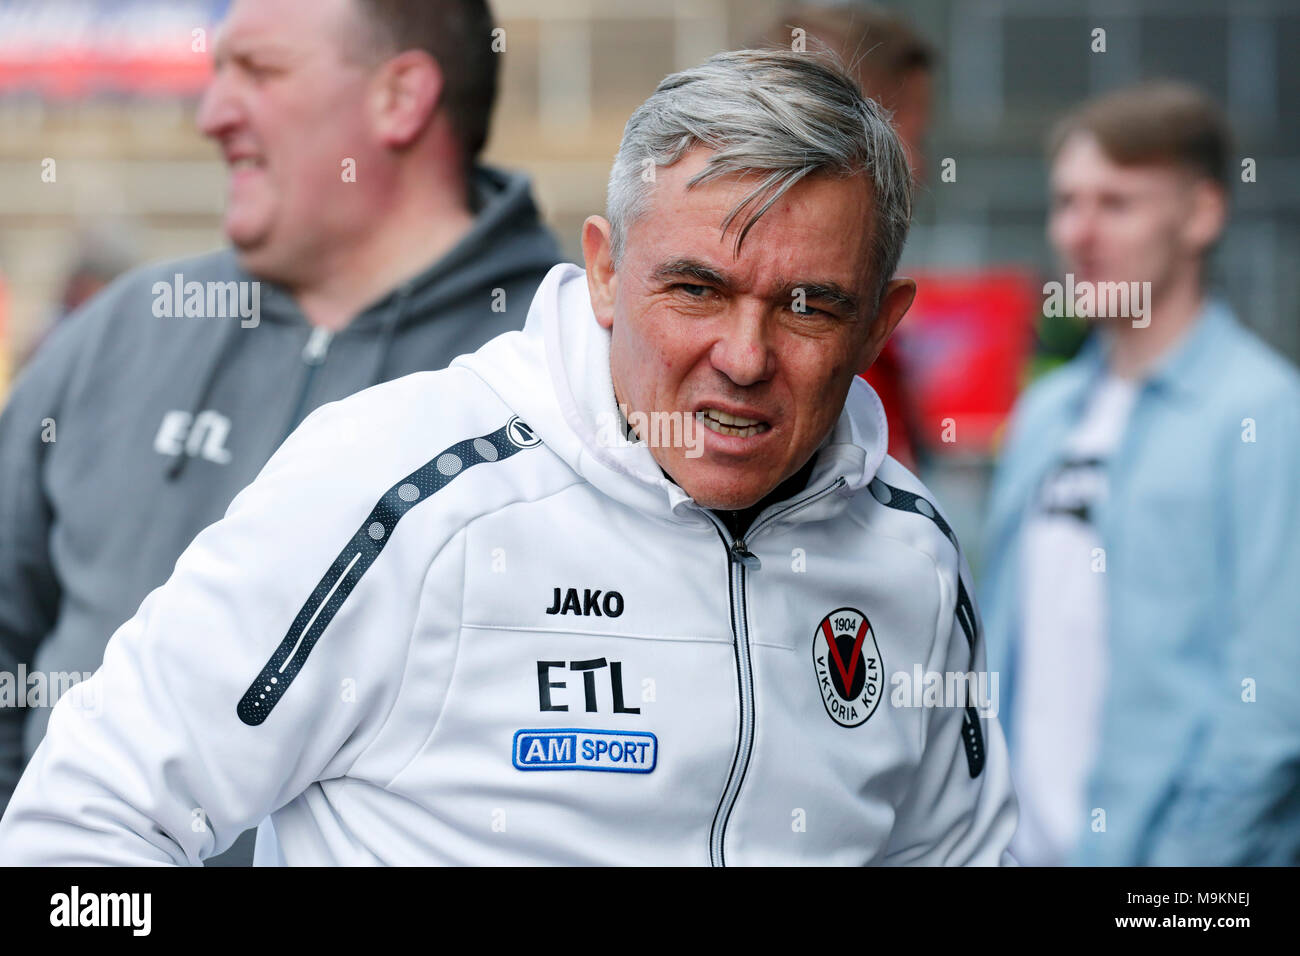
(1241, 803)
(29, 588)
(961, 809)
(153, 761)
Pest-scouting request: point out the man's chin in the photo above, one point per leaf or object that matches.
(717, 485)
(245, 226)
(255, 254)
(716, 496)
(246, 241)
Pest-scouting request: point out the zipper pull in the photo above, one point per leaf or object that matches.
(318, 343)
(741, 553)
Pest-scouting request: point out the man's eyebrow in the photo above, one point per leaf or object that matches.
(688, 269)
(831, 293)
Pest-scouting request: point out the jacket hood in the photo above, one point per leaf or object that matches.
(555, 375)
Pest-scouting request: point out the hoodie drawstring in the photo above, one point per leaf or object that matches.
(219, 354)
(315, 356)
(389, 332)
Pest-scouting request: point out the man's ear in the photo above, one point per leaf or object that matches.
(602, 279)
(895, 302)
(1209, 216)
(404, 97)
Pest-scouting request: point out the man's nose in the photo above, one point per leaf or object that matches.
(742, 353)
(1078, 228)
(218, 109)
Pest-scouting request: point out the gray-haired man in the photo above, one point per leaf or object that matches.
(497, 630)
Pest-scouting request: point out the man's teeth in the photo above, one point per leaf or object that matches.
(725, 424)
(244, 162)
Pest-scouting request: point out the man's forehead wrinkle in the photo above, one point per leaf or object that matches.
(698, 211)
(241, 39)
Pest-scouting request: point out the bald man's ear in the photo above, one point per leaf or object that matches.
(602, 279)
(895, 302)
(404, 97)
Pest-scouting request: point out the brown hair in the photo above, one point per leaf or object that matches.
(880, 48)
(456, 33)
(1157, 121)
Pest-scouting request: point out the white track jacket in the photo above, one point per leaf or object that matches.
(451, 622)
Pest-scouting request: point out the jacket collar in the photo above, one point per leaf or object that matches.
(555, 374)
(1183, 370)
(1190, 363)
(1179, 374)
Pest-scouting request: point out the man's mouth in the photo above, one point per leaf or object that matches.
(244, 163)
(738, 426)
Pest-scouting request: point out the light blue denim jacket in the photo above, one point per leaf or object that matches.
(1199, 745)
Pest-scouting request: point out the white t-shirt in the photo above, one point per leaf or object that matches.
(1063, 657)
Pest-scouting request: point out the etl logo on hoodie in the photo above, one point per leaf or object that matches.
(205, 437)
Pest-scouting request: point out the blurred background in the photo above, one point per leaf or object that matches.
(107, 89)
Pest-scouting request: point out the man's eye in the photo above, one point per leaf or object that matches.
(806, 309)
(694, 291)
(254, 69)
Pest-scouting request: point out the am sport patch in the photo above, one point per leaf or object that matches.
(572, 748)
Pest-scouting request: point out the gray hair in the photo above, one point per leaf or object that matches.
(775, 112)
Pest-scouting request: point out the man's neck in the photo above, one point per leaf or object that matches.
(406, 239)
(1132, 352)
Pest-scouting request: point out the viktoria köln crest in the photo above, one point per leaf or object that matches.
(849, 669)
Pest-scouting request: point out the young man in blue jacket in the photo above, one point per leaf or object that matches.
(1143, 548)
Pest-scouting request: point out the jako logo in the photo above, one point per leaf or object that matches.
(591, 603)
(519, 433)
(102, 909)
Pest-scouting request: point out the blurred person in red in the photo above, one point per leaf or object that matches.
(367, 242)
(894, 66)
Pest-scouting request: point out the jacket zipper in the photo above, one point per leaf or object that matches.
(313, 356)
(739, 560)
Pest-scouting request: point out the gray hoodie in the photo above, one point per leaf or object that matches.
(134, 427)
